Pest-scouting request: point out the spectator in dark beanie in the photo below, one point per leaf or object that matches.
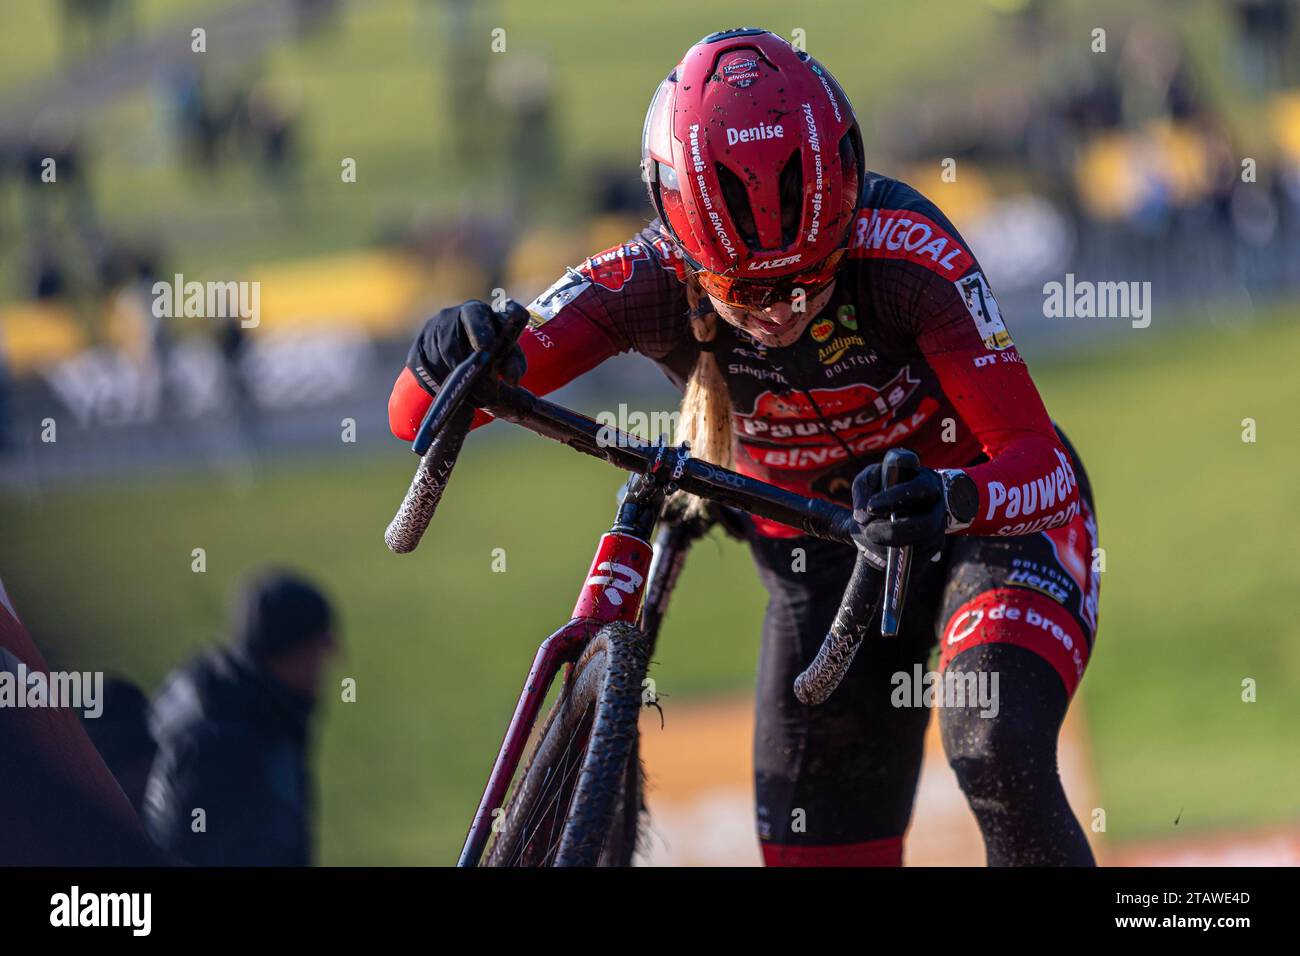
(233, 734)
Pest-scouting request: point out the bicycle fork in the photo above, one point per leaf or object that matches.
(613, 591)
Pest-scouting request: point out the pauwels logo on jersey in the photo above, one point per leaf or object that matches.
(670, 256)
(785, 431)
(612, 268)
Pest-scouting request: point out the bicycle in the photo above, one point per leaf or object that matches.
(578, 800)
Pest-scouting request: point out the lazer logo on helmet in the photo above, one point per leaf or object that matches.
(753, 133)
(774, 263)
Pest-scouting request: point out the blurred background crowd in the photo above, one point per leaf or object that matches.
(1166, 147)
(370, 162)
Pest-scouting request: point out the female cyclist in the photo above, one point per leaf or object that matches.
(817, 314)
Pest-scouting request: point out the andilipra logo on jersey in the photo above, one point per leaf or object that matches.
(612, 268)
(834, 350)
(983, 308)
(1041, 494)
(849, 409)
(903, 234)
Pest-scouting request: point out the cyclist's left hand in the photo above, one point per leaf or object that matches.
(918, 508)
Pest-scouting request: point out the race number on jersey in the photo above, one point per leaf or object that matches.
(566, 288)
(983, 308)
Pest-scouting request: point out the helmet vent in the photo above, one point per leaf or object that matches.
(736, 197)
(791, 192)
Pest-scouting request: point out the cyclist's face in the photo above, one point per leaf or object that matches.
(776, 325)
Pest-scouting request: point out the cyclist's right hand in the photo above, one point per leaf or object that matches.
(446, 340)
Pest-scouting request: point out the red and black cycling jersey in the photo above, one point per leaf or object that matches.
(910, 351)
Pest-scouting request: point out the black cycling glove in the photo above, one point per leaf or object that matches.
(923, 509)
(453, 334)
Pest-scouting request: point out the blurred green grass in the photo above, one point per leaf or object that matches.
(1201, 581)
(375, 90)
(1199, 531)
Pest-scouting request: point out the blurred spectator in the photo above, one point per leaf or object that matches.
(57, 180)
(1265, 33)
(47, 275)
(522, 88)
(1158, 78)
(273, 121)
(121, 735)
(92, 24)
(464, 73)
(233, 733)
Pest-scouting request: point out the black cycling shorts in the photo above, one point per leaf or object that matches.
(835, 783)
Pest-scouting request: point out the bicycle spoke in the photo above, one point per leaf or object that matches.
(547, 813)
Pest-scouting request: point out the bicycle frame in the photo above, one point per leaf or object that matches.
(629, 581)
(615, 588)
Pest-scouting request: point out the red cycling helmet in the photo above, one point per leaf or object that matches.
(753, 158)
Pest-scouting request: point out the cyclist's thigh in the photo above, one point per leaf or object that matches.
(1038, 592)
(843, 772)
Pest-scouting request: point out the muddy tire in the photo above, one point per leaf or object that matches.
(578, 801)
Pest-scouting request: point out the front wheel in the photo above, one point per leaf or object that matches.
(578, 802)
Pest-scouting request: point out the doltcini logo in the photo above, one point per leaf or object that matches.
(834, 350)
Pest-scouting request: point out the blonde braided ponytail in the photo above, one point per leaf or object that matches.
(704, 418)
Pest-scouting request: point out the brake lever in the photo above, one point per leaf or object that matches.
(900, 465)
(465, 377)
(451, 395)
